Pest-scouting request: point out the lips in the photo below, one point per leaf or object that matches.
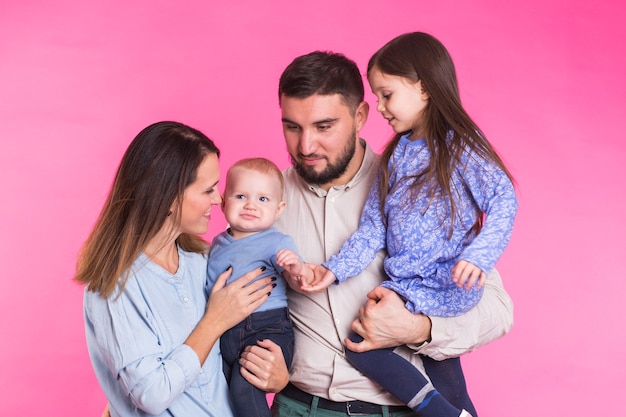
(311, 160)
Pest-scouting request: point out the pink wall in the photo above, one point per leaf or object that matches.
(544, 79)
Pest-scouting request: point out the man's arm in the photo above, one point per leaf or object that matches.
(385, 322)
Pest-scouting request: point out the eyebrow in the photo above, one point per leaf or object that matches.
(318, 122)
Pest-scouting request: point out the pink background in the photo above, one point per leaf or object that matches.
(544, 79)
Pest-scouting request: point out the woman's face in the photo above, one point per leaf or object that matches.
(200, 197)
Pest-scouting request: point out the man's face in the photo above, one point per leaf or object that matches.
(321, 135)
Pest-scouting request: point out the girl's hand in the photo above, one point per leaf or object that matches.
(322, 279)
(465, 273)
(263, 365)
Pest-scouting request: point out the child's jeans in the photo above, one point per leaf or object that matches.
(249, 401)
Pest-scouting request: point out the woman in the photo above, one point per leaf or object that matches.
(150, 332)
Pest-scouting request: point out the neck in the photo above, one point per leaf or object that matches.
(239, 234)
(164, 253)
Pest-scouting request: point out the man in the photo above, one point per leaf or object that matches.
(321, 99)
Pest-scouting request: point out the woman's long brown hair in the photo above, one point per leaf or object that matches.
(160, 163)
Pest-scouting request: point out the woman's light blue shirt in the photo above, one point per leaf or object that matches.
(135, 342)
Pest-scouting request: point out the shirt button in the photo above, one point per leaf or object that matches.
(332, 200)
(186, 299)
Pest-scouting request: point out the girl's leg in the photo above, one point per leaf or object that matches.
(447, 377)
(402, 379)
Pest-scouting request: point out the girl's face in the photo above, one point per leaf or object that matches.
(200, 197)
(400, 101)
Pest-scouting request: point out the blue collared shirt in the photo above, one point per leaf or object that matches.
(135, 342)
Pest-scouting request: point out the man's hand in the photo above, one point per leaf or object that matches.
(263, 365)
(385, 322)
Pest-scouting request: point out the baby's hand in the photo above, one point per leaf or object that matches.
(322, 279)
(289, 260)
(297, 274)
(465, 273)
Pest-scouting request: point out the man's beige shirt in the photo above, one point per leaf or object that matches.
(320, 222)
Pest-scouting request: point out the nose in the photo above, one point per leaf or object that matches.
(306, 145)
(380, 107)
(249, 205)
(217, 199)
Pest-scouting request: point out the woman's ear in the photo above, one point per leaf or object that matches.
(422, 90)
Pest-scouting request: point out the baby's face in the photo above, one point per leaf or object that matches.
(252, 202)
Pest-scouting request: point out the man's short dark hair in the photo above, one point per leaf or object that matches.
(323, 73)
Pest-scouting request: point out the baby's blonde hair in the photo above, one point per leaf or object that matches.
(260, 165)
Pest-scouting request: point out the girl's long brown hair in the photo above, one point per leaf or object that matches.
(160, 163)
(420, 57)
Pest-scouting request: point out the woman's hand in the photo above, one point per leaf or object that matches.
(263, 365)
(384, 321)
(230, 304)
(227, 306)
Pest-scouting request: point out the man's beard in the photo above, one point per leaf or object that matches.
(332, 171)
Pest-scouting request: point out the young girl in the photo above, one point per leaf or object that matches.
(443, 206)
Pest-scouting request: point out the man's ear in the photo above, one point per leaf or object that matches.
(360, 116)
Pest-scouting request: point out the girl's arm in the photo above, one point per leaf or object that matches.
(361, 248)
(494, 193)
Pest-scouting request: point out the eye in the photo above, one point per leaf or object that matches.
(386, 96)
(210, 191)
(240, 196)
(292, 127)
(323, 127)
(264, 199)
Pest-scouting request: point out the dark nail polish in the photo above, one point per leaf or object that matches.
(269, 293)
(273, 285)
(273, 278)
(263, 268)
